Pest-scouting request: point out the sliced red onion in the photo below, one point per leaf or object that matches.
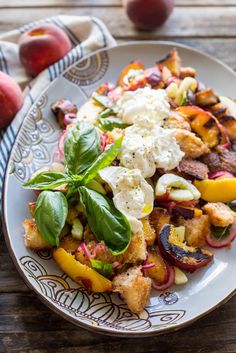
(70, 118)
(61, 143)
(168, 283)
(219, 174)
(217, 244)
(191, 97)
(85, 250)
(103, 139)
(56, 158)
(172, 103)
(148, 266)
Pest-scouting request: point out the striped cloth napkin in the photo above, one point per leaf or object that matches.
(87, 34)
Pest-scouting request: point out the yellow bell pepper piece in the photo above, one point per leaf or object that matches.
(81, 273)
(214, 190)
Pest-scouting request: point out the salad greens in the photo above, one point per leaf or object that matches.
(107, 223)
(83, 161)
(82, 146)
(50, 215)
(102, 267)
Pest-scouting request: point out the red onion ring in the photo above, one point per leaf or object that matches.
(61, 143)
(103, 139)
(217, 244)
(69, 118)
(148, 266)
(219, 174)
(168, 284)
(85, 250)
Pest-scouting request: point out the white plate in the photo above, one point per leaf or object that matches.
(36, 141)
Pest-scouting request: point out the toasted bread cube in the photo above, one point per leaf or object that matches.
(148, 231)
(136, 251)
(134, 288)
(32, 236)
(70, 244)
(220, 214)
(196, 230)
(190, 144)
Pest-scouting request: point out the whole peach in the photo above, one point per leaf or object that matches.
(148, 14)
(42, 46)
(11, 99)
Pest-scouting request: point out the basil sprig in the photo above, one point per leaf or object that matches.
(83, 160)
(50, 215)
(102, 267)
(82, 146)
(47, 180)
(105, 220)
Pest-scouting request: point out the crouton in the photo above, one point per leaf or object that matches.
(134, 288)
(33, 238)
(220, 214)
(196, 230)
(148, 231)
(158, 218)
(190, 144)
(70, 244)
(136, 251)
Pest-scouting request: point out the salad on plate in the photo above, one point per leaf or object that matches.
(142, 184)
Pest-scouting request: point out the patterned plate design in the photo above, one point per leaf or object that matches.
(33, 149)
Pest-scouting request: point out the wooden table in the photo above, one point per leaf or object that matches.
(26, 325)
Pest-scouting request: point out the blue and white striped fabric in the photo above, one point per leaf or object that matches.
(86, 34)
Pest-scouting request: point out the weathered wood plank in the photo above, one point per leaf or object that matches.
(10, 280)
(184, 21)
(26, 325)
(76, 3)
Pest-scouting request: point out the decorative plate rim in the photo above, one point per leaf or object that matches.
(43, 298)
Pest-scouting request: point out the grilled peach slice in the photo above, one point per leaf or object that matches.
(205, 125)
(178, 253)
(206, 97)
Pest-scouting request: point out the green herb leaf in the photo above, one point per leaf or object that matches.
(103, 100)
(102, 267)
(107, 223)
(108, 124)
(220, 232)
(50, 215)
(105, 113)
(104, 160)
(47, 180)
(82, 146)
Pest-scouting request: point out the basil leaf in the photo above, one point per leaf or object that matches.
(107, 112)
(47, 180)
(108, 124)
(103, 100)
(107, 223)
(220, 232)
(104, 160)
(50, 215)
(82, 146)
(102, 267)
